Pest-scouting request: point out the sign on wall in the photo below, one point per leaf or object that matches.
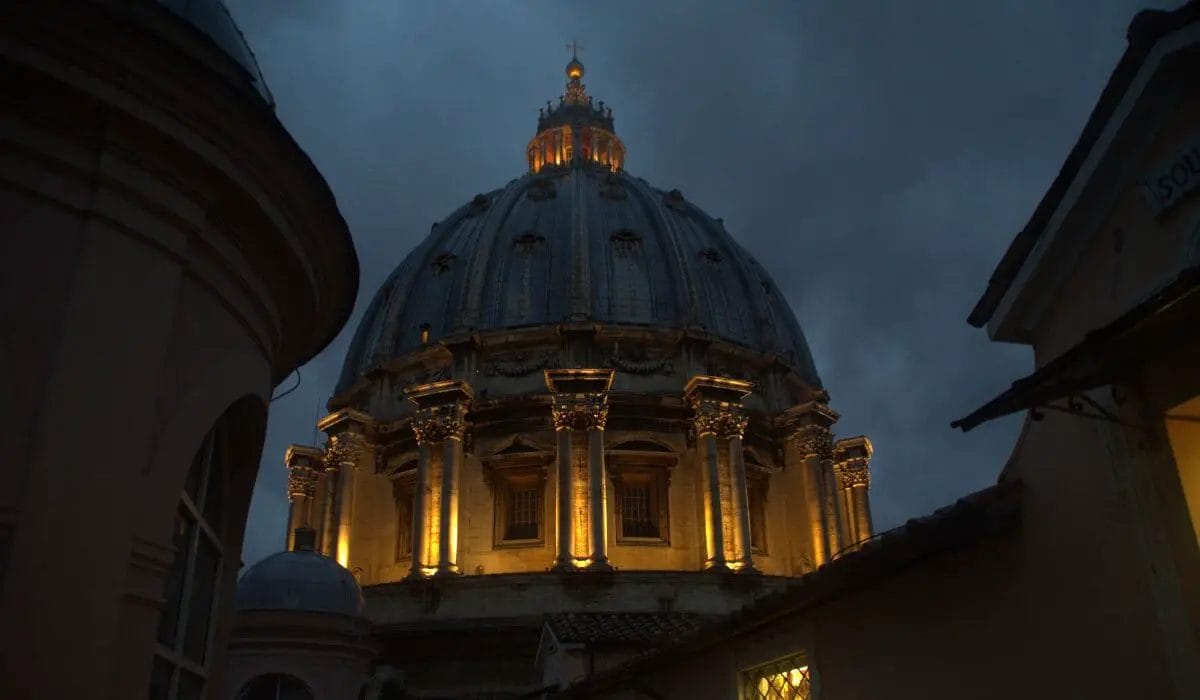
(1174, 179)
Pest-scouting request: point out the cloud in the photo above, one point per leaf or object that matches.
(877, 157)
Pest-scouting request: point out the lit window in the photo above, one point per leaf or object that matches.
(785, 679)
(637, 516)
(641, 505)
(181, 657)
(641, 474)
(518, 508)
(756, 491)
(404, 489)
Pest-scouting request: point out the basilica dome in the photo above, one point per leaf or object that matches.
(577, 239)
(580, 243)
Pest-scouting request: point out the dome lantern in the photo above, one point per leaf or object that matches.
(576, 131)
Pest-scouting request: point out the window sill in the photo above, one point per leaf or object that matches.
(643, 542)
(518, 544)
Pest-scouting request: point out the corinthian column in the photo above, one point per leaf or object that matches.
(580, 403)
(812, 443)
(439, 426)
(345, 446)
(720, 421)
(343, 451)
(302, 463)
(853, 457)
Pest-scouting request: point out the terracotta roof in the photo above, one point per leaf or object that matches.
(602, 628)
(992, 511)
(1146, 29)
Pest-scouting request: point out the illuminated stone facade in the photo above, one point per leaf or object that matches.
(567, 414)
(1088, 547)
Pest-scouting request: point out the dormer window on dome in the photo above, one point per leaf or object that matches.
(576, 131)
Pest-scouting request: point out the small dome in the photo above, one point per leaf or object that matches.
(302, 581)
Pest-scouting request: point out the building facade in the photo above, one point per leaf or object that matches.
(173, 255)
(1078, 574)
(578, 397)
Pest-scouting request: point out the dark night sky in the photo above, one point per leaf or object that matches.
(876, 156)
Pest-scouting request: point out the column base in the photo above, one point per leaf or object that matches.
(601, 565)
(448, 570)
(745, 568)
(716, 565)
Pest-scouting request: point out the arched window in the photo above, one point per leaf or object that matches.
(275, 686)
(185, 629)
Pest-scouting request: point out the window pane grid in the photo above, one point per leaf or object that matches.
(524, 506)
(638, 518)
(786, 679)
(192, 586)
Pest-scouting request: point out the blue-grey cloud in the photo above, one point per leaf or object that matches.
(876, 156)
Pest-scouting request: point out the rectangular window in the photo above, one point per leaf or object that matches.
(638, 518)
(788, 678)
(757, 500)
(519, 502)
(404, 489)
(523, 506)
(641, 506)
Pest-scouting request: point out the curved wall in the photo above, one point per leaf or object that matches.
(173, 255)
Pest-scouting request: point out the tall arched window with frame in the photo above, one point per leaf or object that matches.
(183, 648)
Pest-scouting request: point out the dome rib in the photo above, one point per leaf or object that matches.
(584, 251)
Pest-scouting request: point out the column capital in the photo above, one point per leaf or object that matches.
(342, 450)
(587, 411)
(441, 410)
(303, 462)
(302, 481)
(434, 424)
(717, 403)
(852, 457)
(813, 441)
(579, 397)
(719, 418)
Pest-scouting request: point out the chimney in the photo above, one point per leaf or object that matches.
(305, 540)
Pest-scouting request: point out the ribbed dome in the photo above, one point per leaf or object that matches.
(302, 581)
(577, 243)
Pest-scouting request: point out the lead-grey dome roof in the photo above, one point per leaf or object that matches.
(577, 243)
(302, 581)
